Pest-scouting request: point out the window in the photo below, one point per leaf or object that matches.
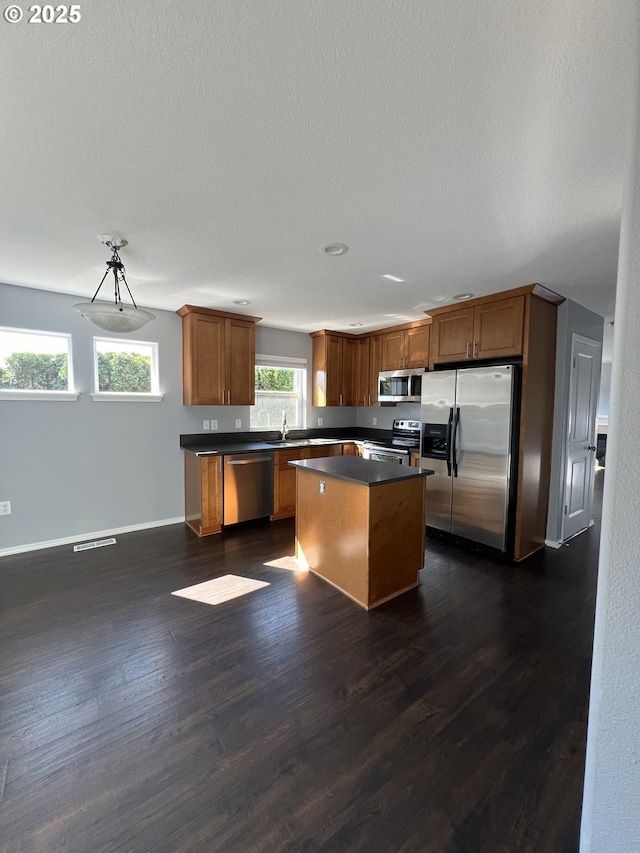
(35, 365)
(126, 370)
(280, 387)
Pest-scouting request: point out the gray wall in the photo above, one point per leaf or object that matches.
(72, 469)
(605, 391)
(572, 319)
(610, 811)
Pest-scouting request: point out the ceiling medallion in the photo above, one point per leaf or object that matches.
(115, 317)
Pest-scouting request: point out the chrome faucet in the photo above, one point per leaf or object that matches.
(285, 428)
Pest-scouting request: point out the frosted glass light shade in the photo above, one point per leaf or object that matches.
(114, 318)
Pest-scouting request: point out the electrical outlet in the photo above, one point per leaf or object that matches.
(319, 421)
(238, 423)
(5, 507)
(206, 424)
(214, 424)
(375, 421)
(323, 487)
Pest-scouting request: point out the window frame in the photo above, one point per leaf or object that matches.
(153, 396)
(287, 363)
(32, 394)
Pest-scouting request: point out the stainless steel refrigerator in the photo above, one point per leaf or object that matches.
(469, 426)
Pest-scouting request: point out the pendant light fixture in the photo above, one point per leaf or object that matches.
(115, 317)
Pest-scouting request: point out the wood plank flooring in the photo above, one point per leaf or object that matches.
(450, 720)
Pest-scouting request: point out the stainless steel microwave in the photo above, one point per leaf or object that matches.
(400, 386)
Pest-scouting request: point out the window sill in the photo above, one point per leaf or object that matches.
(49, 396)
(124, 397)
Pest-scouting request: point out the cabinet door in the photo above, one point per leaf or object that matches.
(417, 347)
(452, 336)
(349, 372)
(393, 350)
(333, 368)
(498, 328)
(363, 371)
(203, 360)
(240, 352)
(284, 494)
(203, 493)
(375, 366)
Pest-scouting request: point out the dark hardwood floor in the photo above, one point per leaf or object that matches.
(452, 719)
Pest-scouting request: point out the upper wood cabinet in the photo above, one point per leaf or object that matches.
(405, 347)
(490, 328)
(334, 369)
(346, 367)
(218, 357)
(368, 366)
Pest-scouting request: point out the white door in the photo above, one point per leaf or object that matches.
(581, 444)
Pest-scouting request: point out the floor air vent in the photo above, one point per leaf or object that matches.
(86, 546)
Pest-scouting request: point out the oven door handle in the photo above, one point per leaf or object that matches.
(448, 441)
(454, 455)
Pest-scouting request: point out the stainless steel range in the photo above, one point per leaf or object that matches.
(405, 437)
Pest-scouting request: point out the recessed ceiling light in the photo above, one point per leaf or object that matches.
(242, 302)
(462, 296)
(334, 248)
(392, 277)
(356, 325)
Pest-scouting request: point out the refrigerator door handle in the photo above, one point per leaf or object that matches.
(454, 457)
(448, 440)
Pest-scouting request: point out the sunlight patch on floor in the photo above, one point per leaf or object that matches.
(221, 589)
(289, 563)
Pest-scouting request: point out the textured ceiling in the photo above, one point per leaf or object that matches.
(462, 146)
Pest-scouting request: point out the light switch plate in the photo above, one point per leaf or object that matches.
(319, 421)
(214, 424)
(238, 423)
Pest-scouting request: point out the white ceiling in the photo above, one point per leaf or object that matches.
(467, 145)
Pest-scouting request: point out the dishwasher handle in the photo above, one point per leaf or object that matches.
(247, 461)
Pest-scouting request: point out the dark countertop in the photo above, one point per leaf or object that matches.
(218, 444)
(227, 448)
(363, 472)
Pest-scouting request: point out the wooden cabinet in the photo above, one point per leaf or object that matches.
(203, 493)
(284, 476)
(218, 357)
(405, 347)
(490, 328)
(368, 366)
(515, 323)
(346, 367)
(350, 449)
(334, 369)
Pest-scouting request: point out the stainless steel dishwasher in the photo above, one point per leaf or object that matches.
(248, 486)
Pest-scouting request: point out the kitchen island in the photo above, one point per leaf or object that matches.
(360, 525)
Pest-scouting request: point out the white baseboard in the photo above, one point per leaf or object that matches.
(552, 544)
(83, 537)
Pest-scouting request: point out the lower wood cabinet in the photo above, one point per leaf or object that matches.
(284, 476)
(203, 493)
(350, 449)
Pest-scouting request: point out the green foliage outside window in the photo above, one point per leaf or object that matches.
(274, 379)
(124, 372)
(30, 371)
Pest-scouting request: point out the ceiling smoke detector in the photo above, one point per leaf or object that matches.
(462, 296)
(334, 249)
